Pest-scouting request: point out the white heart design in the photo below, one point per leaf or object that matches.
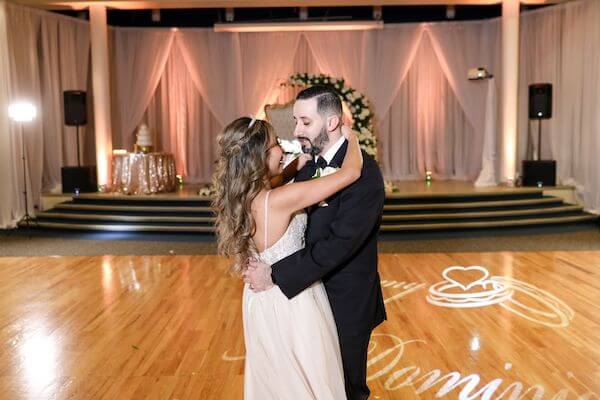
(480, 281)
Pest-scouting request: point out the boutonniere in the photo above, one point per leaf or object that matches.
(324, 172)
(320, 172)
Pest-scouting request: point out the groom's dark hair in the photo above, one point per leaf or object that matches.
(328, 102)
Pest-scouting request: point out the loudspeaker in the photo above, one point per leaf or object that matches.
(540, 101)
(539, 173)
(75, 107)
(82, 178)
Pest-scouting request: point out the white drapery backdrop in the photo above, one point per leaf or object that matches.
(236, 73)
(221, 76)
(9, 189)
(46, 54)
(140, 61)
(177, 113)
(559, 45)
(378, 48)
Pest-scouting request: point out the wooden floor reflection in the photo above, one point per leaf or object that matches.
(169, 327)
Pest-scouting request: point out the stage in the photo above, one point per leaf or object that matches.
(440, 206)
(409, 188)
(169, 327)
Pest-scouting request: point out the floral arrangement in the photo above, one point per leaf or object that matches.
(356, 102)
(207, 191)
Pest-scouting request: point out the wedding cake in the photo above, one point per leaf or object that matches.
(144, 140)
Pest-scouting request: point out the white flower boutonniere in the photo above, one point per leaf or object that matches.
(324, 172)
(321, 172)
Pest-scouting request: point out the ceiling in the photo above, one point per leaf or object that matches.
(166, 4)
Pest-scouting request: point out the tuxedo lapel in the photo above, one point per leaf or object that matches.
(338, 158)
(307, 172)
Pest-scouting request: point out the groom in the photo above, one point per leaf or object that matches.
(341, 238)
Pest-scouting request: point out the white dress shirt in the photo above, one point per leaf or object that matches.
(329, 154)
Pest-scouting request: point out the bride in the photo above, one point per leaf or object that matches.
(292, 349)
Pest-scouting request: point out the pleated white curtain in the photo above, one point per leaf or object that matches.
(140, 59)
(237, 74)
(458, 47)
(267, 60)
(42, 54)
(424, 116)
(183, 123)
(540, 47)
(426, 128)
(373, 62)
(65, 53)
(47, 54)
(381, 53)
(559, 45)
(186, 119)
(23, 29)
(9, 193)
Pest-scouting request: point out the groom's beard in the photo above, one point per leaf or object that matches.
(317, 144)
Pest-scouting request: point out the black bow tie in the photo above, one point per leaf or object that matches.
(322, 163)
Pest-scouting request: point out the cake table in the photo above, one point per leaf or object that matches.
(143, 173)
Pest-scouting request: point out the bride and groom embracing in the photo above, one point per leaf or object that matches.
(307, 251)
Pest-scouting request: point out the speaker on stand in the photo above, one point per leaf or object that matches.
(77, 179)
(539, 172)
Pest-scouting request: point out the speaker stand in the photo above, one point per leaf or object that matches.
(27, 219)
(539, 152)
(78, 156)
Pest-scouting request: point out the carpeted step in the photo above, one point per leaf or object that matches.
(514, 223)
(394, 198)
(109, 217)
(472, 205)
(125, 227)
(130, 207)
(503, 213)
(427, 212)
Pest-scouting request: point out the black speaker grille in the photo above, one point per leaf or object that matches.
(75, 107)
(540, 101)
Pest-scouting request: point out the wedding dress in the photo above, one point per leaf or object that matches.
(292, 348)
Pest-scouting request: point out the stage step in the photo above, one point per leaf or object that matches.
(124, 227)
(487, 224)
(403, 212)
(124, 217)
(489, 214)
(472, 205)
(126, 208)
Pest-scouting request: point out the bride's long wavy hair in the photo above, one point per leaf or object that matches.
(240, 175)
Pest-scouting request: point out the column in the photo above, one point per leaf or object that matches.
(101, 88)
(510, 87)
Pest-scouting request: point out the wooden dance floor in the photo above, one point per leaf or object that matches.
(520, 326)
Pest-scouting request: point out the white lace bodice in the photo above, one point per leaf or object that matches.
(291, 241)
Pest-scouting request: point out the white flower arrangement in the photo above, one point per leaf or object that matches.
(390, 187)
(357, 103)
(207, 191)
(290, 146)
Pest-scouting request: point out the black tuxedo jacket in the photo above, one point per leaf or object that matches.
(341, 250)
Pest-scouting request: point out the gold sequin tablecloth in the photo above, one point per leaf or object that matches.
(138, 173)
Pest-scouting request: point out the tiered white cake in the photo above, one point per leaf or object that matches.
(144, 140)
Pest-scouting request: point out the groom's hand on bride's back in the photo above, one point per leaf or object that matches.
(258, 276)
